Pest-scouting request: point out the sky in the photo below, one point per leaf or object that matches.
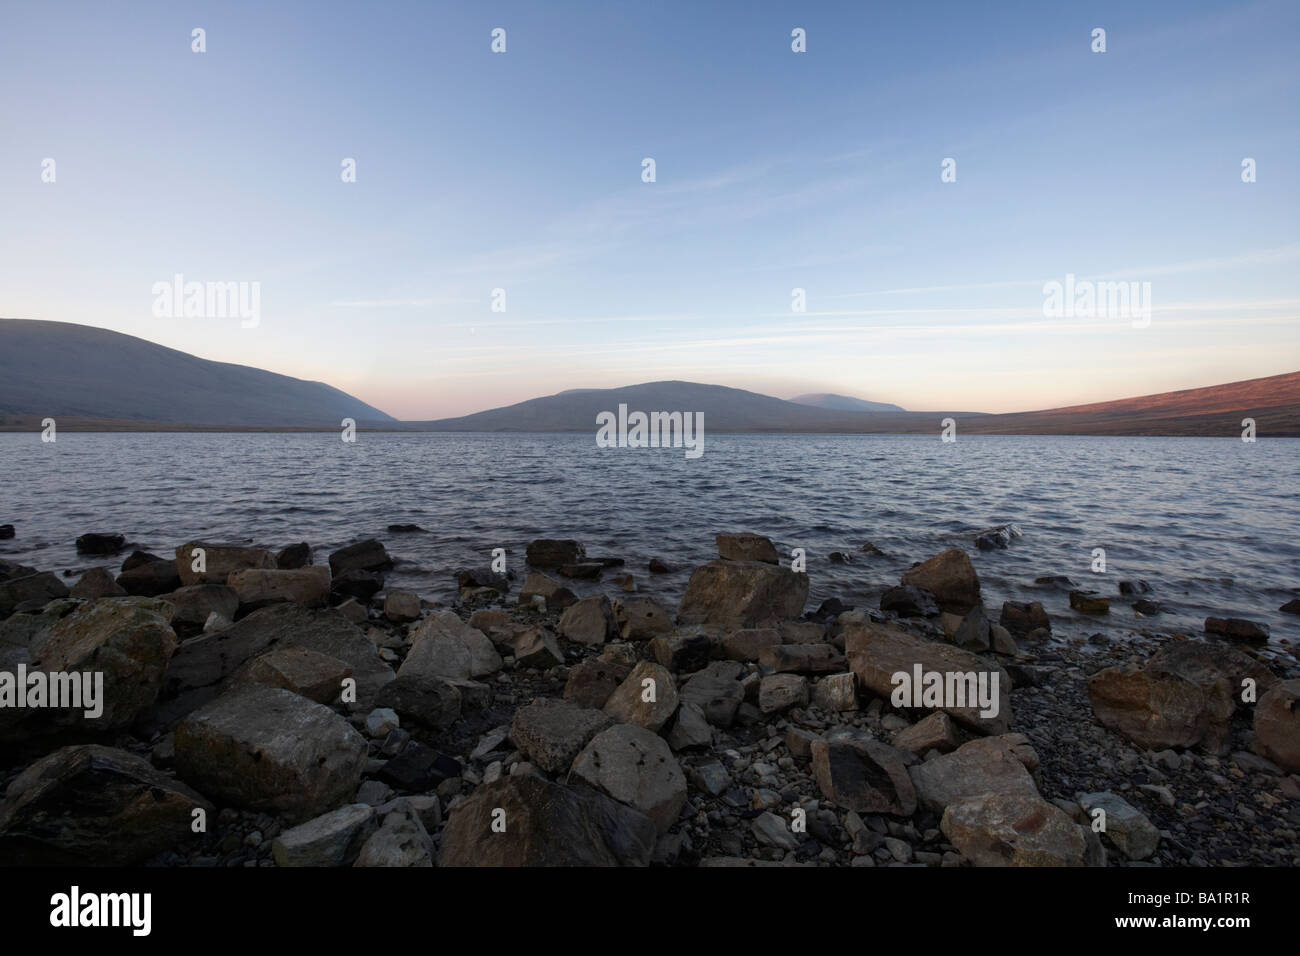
(775, 170)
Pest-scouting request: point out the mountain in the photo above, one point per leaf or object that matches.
(69, 371)
(844, 403)
(1273, 402)
(725, 410)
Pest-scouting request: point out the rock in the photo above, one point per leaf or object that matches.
(430, 702)
(356, 585)
(682, 652)
(1291, 607)
(128, 641)
(1277, 725)
(590, 621)
(294, 556)
(445, 646)
(717, 691)
(950, 577)
(635, 767)
(625, 581)
(6, 532)
(802, 658)
(780, 692)
(863, 775)
(877, 652)
(1089, 604)
(1132, 833)
(271, 750)
(585, 571)
(89, 805)
(196, 603)
(1184, 696)
(202, 664)
(316, 676)
(732, 595)
(746, 547)
(691, 729)
(659, 566)
(553, 552)
(973, 632)
(992, 539)
(999, 764)
(935, 732)
(592, 681)
(148, 575)
(258, 587)
(218, 562)
(772, 830)
(1134, 587)
(100, 543)
(909, 601)
(12, 569)
(97, 583)
(368, 555)
(1003, 642)
(711, 778)
(400, 841)
(1017, 829)
(537, 648)
(836, 693)
(647, 697)
(483, 578)
(642, 618)
(33, 589)
(380, 722)
(538, 823)
(748, 643)
(1020, 617)
(401, 607)
(1236, 629)
(551, 733)
(419, 769)
(332, 839)
(556, 596)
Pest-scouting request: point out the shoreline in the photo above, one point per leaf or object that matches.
(768, 716)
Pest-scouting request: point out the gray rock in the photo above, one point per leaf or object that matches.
(634, 766)
(551, 733)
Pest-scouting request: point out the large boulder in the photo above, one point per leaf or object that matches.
(590, 621)
(634, 766)
(331, 839)
(1000, 764)
(89, 805)
(148, 575)
(202, 665)
(1184, 696)
(863, 775)
(129, 641)
(642, 618)
(259, 587)
(97, 583)
(879, 653)
(717, 690)
(316, 676)
(733, 595)
(271, 750)
(1277, 725)
(647, 697)
(218, 560)
(1018, 829)
(445, 646)
(525, 821)
(193, 604)
(30, 590)
(950, 577)
(553, 552)
(369, 555)
(746, 547)
(551, 733)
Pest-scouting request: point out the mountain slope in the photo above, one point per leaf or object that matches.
(725, 410)
(844, 403)
(1274, 403)
(64, 370)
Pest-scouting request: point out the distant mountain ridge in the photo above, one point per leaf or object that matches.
(844, 403)
(60, 369)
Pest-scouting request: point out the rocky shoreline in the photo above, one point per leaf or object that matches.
(259, 709)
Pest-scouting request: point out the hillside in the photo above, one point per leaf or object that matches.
(844, 403)
(69, 371)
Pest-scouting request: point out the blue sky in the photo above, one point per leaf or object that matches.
(775, 170)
